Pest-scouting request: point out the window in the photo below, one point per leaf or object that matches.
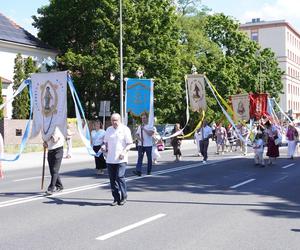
(254, 35)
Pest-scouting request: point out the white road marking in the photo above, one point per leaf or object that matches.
(93, 186)
(242, 183)
(31, 178)
(130, 227)
(287, 166)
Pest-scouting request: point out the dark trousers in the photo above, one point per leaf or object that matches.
(203, 144)
(141, 152)
(54, 161)
(118, 186)
(99, 161)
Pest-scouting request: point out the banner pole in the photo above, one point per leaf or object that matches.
(43, 171)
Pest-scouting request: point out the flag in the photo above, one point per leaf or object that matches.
(258, 105)
(241, 106)
(196, 92)
(49, 103)
(139, 98)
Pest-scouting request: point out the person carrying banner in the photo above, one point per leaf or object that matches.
(204, 133)
(117, 143)
(144, 135)
(97, 136)
(55, 154)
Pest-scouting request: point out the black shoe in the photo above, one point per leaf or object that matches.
(49, 192)
(148, 173)
(59, 189)
(122, 202)
(138, 173)
(114, 203)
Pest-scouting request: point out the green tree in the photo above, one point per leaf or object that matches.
(91, 51)
(1, 99)
(21, 102)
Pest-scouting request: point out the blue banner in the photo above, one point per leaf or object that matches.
(138, 96)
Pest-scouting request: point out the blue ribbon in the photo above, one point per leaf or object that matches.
(79, 113)
(27, 129)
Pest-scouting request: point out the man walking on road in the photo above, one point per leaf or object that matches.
(117, 143)
(205, 132)
(55, 154)
(145, 142)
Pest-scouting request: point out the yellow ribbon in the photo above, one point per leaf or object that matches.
(229, 109)
(197, 127)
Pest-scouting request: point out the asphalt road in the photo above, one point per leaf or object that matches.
(226, 204)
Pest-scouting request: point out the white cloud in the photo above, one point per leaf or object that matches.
(281, 9)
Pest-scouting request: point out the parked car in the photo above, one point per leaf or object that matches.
(165, 130)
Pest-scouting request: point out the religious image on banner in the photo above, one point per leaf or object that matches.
(49, 103)
(139, 98)
(196, 92)
(258, 105)
(241, 105)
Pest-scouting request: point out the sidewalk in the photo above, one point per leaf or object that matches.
(35, 159)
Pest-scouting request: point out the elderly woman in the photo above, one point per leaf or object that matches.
(292, 137)
(176, 142)
(271, 133)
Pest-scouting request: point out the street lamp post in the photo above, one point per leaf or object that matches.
(121, 65)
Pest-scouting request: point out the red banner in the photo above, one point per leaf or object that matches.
(258, 105)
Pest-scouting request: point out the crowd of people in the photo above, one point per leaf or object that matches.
(111, 147)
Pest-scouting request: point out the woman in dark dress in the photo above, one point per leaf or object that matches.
(271, 134)
(176, 142)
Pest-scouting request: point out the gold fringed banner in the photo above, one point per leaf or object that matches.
(197, 127)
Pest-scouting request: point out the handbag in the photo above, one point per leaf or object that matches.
(277, 141)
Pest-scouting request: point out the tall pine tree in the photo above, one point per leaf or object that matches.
(21, 101)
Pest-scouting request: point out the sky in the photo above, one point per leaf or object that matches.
(20, 11)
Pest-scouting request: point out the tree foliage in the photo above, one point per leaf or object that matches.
(165, 43)
(22, 69)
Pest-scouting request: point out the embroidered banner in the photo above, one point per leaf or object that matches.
(49, 103)
(196, 90)
(258, 105)
(139, 98)
(241, 107)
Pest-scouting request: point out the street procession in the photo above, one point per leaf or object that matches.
(121, 121)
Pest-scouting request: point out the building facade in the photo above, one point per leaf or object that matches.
(284, 41)
(13, 40)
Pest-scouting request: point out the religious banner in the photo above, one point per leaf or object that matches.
(258, 105)
(49, 103)
(196, 92)
(139, 98)
(241, 105)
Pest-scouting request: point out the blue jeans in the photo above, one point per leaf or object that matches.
(117, 180)
(141, 152)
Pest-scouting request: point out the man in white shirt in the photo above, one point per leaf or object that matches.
(205, 132)
(55, 154)
(117, 143)
(144, 135)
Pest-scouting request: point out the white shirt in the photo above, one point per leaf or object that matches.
(207, 131)
(259, 146)
(116, 140)
(97, 137)
(147, 139)
(56, 140)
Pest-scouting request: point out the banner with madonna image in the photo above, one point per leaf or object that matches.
(241, 107)
(196, 92)
(258, 105)
(139, 98)
(49, 103)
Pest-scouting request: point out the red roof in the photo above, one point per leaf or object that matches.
(4, 80)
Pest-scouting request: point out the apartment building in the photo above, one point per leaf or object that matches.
(284, 40)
